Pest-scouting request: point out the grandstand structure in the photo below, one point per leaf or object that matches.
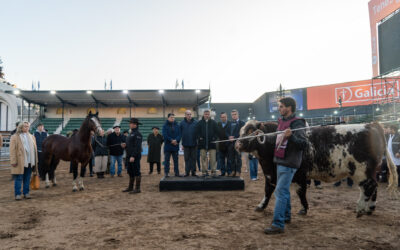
(63, 111)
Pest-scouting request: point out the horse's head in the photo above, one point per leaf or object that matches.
(94, 122)
(253, 128)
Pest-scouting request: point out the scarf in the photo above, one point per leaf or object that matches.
(29, 149)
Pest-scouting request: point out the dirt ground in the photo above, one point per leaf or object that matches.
(102, 217)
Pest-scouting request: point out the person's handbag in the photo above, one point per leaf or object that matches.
(35, 182)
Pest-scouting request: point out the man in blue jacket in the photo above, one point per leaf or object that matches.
(172, 136)
(233, 130)
(40, 135)
(187, 127)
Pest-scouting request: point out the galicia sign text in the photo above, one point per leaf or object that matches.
(367, 92)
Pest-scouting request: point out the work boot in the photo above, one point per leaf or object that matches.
(98, 175)
(101, 175)
(273, 230)
(130, 187)
(137, 187)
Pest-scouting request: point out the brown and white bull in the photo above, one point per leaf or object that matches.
(333, 153)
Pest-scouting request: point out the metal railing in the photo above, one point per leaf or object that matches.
(5, 154)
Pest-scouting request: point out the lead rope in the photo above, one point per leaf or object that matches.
(280, 132)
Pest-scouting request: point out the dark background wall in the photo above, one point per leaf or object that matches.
(261, 111)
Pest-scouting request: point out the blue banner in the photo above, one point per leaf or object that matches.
(274, 97)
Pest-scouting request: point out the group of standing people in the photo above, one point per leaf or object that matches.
(115, 145)
(198, 139)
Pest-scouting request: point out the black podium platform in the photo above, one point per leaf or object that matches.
(190, 183)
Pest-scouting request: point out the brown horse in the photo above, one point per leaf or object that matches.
(76, 149)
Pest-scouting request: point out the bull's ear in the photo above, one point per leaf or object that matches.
(90, 113)
(260, 125)
(97, 113)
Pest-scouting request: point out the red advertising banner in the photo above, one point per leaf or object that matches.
(378, 10)
(352, 93)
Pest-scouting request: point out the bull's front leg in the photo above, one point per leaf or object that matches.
(301, 192)
(270, 184)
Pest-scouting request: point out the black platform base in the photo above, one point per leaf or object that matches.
(220, 183)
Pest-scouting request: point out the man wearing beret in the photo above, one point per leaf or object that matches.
(133, 155)
(116, 144)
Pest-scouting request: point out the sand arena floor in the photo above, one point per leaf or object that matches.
(102, 217)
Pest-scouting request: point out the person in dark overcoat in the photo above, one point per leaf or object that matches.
(154, 141)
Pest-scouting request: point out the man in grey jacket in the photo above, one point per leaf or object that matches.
(288, 156)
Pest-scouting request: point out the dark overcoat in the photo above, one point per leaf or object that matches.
(154, 143)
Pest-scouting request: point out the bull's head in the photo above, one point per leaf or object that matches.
(251, 128)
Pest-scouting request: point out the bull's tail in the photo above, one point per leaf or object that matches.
(393, 181)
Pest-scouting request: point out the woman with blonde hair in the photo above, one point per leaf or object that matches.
(23, 159)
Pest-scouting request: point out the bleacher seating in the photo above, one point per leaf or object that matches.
(51, 124)
(147, 124)
(75, 123)
(106, 123)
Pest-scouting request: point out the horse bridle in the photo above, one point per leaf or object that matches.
(96, 123)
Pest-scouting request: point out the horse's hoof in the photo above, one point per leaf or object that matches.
(81, 189)
(259, 209)
(54, 184)
(302, 212)
(74, 190)
(47, 186)
(359, 214)
(369, 213)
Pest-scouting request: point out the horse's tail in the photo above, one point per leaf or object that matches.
(393, 181)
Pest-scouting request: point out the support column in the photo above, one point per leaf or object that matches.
(62, 124)
(29, 112)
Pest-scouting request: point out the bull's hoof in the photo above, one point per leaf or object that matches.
(369, 213)
(259, 209)
(54, 184)
(302, 212)
(74, 190)
(360, 213)
(81, 189)
(47, 186)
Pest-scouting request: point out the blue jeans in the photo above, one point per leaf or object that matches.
(223, 163)
(253, 168)
(22, 178)
(167, 155)
(114, 158)
(283, 208)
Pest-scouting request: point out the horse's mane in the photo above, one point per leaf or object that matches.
(84, 130)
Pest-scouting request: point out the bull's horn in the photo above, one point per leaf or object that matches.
(260, 139)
